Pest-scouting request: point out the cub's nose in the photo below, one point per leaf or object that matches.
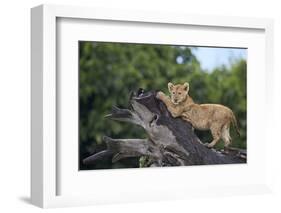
(176, 100)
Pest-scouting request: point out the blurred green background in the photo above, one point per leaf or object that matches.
(109, 71)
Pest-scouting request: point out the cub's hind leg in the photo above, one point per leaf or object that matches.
(216, 133)
(225, 135)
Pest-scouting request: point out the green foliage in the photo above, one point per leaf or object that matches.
(109, 71)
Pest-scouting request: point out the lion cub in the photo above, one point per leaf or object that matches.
(214, 117)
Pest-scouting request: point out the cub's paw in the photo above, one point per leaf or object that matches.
(208, 145)
(160, 95)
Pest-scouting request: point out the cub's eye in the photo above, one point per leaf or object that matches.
(174, 93)
(179, 93)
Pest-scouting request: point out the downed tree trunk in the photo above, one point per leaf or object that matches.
(171, 141)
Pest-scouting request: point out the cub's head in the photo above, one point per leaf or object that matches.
(178, 92)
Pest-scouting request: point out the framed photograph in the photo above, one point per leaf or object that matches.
(129, 106)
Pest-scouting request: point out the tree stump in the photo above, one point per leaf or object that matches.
(170, 141)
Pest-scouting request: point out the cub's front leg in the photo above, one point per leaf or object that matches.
(175, 111)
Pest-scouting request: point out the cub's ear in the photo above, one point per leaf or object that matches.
(186, 86)
(170, 86)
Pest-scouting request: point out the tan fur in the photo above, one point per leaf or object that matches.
(214, 117)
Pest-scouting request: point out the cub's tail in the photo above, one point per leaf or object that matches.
(235, 124)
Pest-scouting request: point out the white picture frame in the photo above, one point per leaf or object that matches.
(45, 167)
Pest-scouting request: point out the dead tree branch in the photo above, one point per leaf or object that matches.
(170, 141)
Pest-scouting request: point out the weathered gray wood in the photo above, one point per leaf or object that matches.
(170, 141)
